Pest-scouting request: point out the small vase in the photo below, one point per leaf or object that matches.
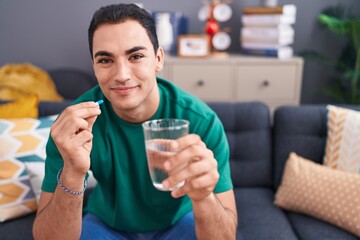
(164, 31)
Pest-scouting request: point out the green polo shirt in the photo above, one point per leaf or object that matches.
(124, 197)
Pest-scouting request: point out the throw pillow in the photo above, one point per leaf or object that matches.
(26, 107)
(328, 194)
(18, 80)
(343, 140)
(22, 140)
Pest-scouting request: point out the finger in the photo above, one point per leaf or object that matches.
(91, 122)
(77, 141)
(84, 137)
(191, 170)
(186, 141)
(204, 184)
(68, 128)
(191, 153)
(70, 119)
(82, 110)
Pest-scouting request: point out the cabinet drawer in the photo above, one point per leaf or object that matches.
(206, 81)
(266, 82)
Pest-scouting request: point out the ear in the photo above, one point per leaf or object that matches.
(160, 56)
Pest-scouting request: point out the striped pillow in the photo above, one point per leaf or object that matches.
(343, 140)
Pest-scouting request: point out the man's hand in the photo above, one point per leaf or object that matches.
(200, 174)
(72, 134)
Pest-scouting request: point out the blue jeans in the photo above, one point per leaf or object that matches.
(94, 228)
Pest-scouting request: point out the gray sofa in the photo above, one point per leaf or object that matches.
(259, 150)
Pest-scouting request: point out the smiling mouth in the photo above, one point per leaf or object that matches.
(123, 90)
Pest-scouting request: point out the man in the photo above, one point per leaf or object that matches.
(108, 139)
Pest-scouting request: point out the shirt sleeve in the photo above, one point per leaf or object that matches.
(53, 163)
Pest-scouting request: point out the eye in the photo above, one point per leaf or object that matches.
(103, 60)
(136, 57)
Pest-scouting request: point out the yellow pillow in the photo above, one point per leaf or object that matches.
(19, 80)
(343, 140)
(24, 107)
(328, 194)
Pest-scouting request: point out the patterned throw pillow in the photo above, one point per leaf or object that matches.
(21, 140)
(321, 192)
(343, 140)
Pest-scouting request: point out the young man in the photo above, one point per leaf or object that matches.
(109, 140)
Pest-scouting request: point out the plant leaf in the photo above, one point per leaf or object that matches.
(355, 30)
(334, 24)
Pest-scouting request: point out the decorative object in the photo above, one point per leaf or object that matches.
(214, 12)
(21, 140)
(193, 46)
(164, 31)
(345, 85)
(343, 140)
(328, 194)
(269, 3)
(179, 26)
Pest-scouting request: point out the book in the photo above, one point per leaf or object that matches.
(280, 31)
(287, 9)
(261, 45)
(280, 52)
(268, 40)
(267, 19)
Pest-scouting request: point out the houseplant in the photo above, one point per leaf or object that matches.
(345, 86)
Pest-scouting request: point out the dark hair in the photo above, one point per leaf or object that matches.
(119, 13)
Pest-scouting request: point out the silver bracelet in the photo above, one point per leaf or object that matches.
(68, 190)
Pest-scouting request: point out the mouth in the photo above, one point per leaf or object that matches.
(122, 90)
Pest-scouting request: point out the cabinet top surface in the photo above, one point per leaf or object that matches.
(236, 58)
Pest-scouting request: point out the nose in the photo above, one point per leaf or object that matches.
(122, 72)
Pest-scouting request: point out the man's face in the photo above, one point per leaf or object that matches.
(125, 66)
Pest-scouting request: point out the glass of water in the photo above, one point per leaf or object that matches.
(159, 135)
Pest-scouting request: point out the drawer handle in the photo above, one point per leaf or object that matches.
(200, 83)
(265, 83)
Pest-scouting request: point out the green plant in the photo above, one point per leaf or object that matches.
(345, 87)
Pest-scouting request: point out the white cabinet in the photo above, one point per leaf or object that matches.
(238, 78)
(212, 82)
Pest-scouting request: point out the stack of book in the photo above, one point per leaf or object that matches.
(268, 31)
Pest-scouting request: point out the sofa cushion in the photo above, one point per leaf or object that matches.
(343, 139)
(247, 126)
(66, 78)
(258, 218)
(47, 108)
(301, 130)
(310, 228)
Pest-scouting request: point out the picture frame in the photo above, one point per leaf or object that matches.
(193, 45)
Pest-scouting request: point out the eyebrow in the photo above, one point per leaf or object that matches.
(127, 52)
(103, 53)
(134, 49)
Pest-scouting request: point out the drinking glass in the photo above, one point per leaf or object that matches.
(159, 135)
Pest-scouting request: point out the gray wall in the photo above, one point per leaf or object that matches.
(53, 34)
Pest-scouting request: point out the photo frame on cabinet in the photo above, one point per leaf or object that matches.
(193, 45)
